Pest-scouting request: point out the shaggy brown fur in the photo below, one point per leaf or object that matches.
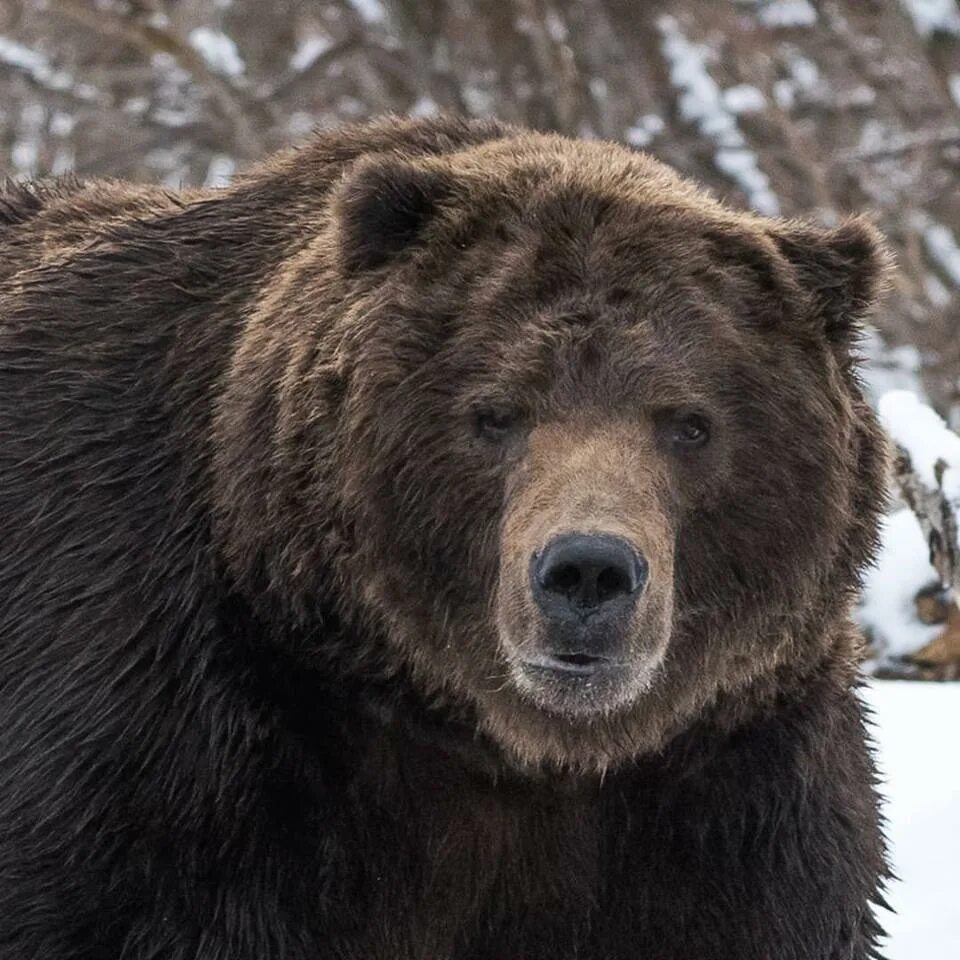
(278, 464)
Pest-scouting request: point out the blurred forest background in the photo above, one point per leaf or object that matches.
(793, 107)
(797, 107)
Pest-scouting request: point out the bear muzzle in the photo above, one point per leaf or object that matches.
(585, 650)
(586, 586)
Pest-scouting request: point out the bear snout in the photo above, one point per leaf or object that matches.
(586, 586)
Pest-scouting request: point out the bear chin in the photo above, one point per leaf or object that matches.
(583, 691)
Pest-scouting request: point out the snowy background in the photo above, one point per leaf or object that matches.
(916, 731)
(792, 107)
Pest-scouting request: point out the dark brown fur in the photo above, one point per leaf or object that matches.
(264, 594)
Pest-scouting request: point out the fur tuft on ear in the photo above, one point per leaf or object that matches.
(382, 209)
(844, 269)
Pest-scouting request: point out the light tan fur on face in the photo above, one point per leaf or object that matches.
(596, 479)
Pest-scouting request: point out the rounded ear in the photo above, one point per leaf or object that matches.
(383, 207)
(844, 270)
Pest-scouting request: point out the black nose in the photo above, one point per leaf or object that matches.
(579, 575)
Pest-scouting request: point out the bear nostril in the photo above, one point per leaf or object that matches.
(563, 579)
(611, 582)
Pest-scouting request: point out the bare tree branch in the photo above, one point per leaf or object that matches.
(151, 39)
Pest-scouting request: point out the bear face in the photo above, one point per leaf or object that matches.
(537, 407)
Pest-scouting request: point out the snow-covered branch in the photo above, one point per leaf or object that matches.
(927, 474)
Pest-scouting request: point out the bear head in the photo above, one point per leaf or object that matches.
(555, 435)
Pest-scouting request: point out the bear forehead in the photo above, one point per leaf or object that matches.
(570, 200)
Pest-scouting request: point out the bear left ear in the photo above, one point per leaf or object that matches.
(383, 208)
(844, 270)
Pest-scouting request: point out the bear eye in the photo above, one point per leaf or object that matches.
(689, 430)
(494, 424)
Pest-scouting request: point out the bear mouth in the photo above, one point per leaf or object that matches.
(578, 664)
(581, 685)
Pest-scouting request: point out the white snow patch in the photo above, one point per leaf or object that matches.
(40, 70)
(25, 157)
(25, 152)
(888, 368)
(17, 55)
(932, 16)
(936, 290)
(805, 73)
(922, 433)
(172, 163)
(308, 52)
(478, 100)
(941, 245)
(173, 117)
(62, 124)
(953, 83)
(220, 171)
(874, 135)
(861, 96)
(556, 28)
(787, 13)
(218, 50)
(136, 105)
(64, 161)
(300, 123)
(804, 78)
(744, 98)
(643, 132)
(424, 107)
(701, 102)
(175, 102)
(741, 165)
(785, 94)
(914, 727)
(370, 10)
(888, 607)
(598, 88)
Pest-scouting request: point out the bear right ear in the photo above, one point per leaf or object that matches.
(844, 269)
(383, 208)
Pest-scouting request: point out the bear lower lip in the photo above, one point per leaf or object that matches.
(576, 664)
(581, 685)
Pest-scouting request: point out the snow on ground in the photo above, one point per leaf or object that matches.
(916, 723)
(915, 727)
(888, 611)
(888, 608)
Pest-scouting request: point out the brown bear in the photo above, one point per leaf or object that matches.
(437, 545)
